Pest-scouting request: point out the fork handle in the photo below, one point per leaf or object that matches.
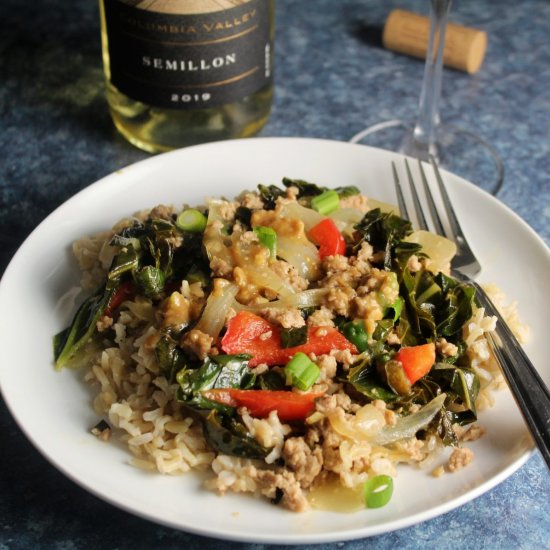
(528, 388)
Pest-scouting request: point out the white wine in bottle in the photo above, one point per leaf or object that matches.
(181, 72)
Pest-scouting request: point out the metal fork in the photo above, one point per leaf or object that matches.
(529, 390)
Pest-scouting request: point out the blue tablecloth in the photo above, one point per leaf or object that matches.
(331, 81)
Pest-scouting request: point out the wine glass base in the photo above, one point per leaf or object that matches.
(457, 150)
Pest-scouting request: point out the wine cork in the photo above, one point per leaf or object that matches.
(408, 33)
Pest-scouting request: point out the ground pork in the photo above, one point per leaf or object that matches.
(474, 433)
(356, 459)
(335, 401)
(469, 434)
(227, 210)
(390, 418)
(385, 283)
(288, 317)
(269, 481)
(332, 460)
(355, 201)
(447, 349)
(321, 317)
(338, 300)
(289, 273)
(162, 212)
(327, 365)
(412, 447)
(364, 257)
(284, 226)
(393, 339)
(260, 369)
(306, 463)
(292, 193)
(335, 264)
(459, 458)
(414, 264)
(252, 201)
(249, 237)
(197, 342)
(344, 356)
(104, 322)
(367, 307)
(344, 275)
(220, 267)
(312, 437)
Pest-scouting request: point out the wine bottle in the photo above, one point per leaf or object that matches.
(181, 72)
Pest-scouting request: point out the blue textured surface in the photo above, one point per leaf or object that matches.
(56, 138)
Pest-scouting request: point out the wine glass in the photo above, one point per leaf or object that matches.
(457, 150)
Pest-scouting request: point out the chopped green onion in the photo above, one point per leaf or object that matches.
(268, 238)
(378, 491)
(301, 371)
(326, 202)
(191, 220)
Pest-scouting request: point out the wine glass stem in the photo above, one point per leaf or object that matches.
(424, 134)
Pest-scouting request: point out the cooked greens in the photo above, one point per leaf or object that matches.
(71, 340)
(157, 258)
(383, 231)
(307, 190)
(291, 337)
(217, 372)
(152, 254)
(228, 436)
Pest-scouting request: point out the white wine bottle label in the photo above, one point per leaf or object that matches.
(189, 54)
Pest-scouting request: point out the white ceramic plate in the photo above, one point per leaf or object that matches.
(54, 409)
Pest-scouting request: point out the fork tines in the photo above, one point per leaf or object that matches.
(465, 258)
(418, 210)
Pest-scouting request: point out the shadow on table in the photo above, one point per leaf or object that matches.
(368, 33)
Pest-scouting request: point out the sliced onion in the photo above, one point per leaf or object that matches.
(439, 249)
(244, 254)
(307, 298)
(365, 425)
(302, 254)
(267, 278)
(346, 216)
(384, 206)
(220, 301)
(295, 210)
(408, 426)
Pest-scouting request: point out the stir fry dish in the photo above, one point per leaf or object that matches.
(298, 342)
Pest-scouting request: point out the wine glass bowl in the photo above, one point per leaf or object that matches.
(458, 150)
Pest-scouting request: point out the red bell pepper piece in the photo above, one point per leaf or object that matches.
(328, 237)
(290, 406)
(417, 361)
(249, 333)
(124, 291)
